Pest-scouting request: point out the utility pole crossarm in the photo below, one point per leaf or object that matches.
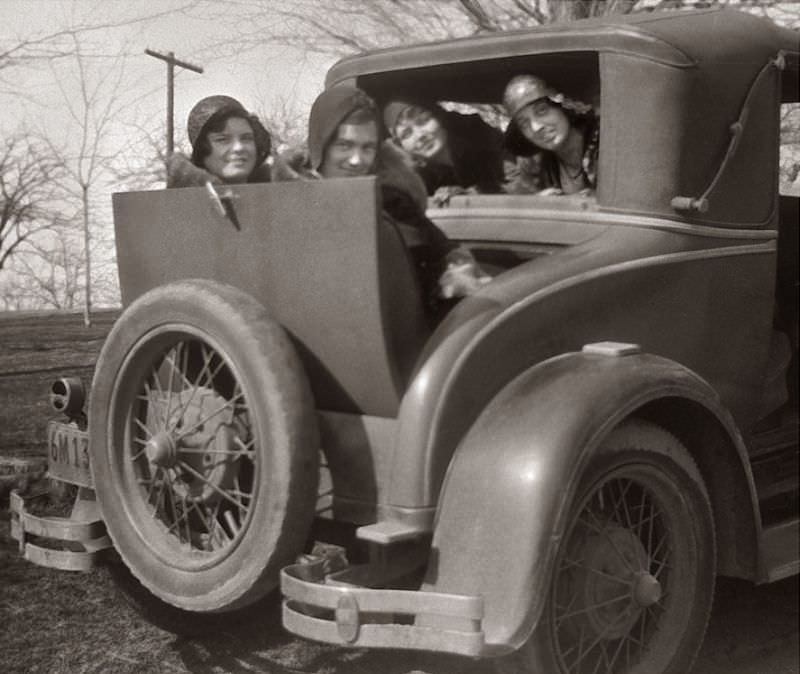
(170, 58)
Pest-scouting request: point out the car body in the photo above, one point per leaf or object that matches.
(626, 338)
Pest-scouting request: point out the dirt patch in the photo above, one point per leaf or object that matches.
(54, 621)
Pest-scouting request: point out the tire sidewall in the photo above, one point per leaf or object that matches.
(664, 459)
(277, 394)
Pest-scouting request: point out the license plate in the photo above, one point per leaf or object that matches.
(68, 454)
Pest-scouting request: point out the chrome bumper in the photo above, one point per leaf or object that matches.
(329, 610)
(74, 543)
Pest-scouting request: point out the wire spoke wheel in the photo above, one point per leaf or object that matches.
(192, 451)
(204, 448)
(609, 595)
(633, 578)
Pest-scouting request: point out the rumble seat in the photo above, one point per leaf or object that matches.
(316, 254)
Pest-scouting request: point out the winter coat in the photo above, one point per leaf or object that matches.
(181, 172)
(404, 201)
(477, 152)
(538, 169)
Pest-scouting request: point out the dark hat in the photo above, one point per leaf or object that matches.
(392, 112)
(329, 110)
(215, 107)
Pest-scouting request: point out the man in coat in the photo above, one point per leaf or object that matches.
(344, 140)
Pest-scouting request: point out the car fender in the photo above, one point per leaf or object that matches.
(507, 493)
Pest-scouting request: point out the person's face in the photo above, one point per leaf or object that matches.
(544, 124)
(421, 134)
(232, 155)
(352, 151)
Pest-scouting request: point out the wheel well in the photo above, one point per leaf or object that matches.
(732, 500)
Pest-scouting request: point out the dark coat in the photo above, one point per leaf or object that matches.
(476, 149)
(539, 168)
(404, 201)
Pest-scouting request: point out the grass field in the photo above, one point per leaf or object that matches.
(72, 623)
(60, 622)
(36, 349)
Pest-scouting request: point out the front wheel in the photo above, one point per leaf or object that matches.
(634, 576)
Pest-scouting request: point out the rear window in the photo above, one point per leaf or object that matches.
(789, 166)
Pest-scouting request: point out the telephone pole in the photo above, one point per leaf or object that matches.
(171, 63)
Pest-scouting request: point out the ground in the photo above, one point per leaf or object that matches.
(71, 623)
(59, 622)
(36, 349)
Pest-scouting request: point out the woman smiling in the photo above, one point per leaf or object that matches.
(556, 137)
(229, 146)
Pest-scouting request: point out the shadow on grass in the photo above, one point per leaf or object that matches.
(262, 645)
(54, 621)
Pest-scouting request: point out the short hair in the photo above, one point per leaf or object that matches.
(215, 125)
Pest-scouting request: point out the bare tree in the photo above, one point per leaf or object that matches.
(790, 149)
(84, 152)
(42, 48)
(141, 163)
(347, 26)
(341, 27)
(287, 124)
(48, 275)
(44, 180)
(29, 203)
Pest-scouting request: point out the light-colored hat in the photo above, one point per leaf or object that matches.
(523, 90)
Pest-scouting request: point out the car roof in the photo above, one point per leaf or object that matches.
(669, 85)
(684, 38)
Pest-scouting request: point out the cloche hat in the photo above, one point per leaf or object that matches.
(213, 107)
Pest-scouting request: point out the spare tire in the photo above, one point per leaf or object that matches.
(204, 445)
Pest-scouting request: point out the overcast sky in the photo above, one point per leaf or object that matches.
(255, 78)
(34, 100)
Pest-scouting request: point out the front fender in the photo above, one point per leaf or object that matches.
(506, 497)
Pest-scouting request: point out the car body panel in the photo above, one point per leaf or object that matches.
(604, 289)
(519, 465)
(668, 97)
(340, 283)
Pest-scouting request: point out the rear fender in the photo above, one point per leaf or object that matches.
(506, 497)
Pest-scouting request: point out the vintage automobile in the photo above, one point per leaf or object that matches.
(552, 477)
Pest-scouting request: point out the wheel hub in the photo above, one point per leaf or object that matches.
(613, 585)
(161, 450)
(646, 590)
(200, 445)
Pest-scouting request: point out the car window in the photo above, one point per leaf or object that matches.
(789, 166)
(491, 114)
